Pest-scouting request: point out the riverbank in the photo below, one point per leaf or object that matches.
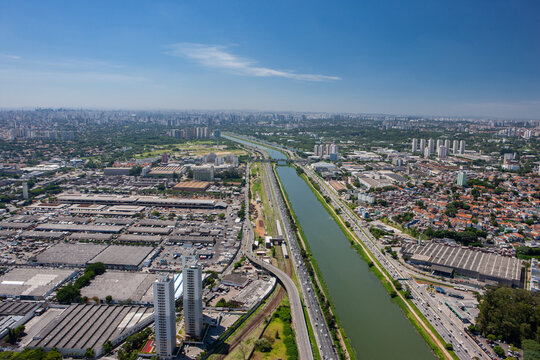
(424, 328)
(342, 342)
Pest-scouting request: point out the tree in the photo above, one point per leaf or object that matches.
(498, 350)
(108, 299)
(68, 294)
(449, 346)
(107, 347)
(89, 353)
(263, 345)
(53, 355)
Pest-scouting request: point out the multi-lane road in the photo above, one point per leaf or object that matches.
(320, 328)
(447, 325)
(323, 337)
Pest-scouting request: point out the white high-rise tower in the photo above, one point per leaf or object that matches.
(164, 317)
(193, 317)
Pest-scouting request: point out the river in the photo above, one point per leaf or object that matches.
(376, 327)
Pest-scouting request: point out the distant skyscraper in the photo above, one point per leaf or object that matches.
(193, 317)
(164, 317)
(462, 147)
(25, 190)
(442, 152)
(427, 152)
(455, 147)
(431, 146)
(462, 178)
(422, 145)
(439, 143)
(414, 145)
(447, 144)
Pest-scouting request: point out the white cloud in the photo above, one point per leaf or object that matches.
(10, 56)
(218, 57)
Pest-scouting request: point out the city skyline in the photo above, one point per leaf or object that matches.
(456, 59)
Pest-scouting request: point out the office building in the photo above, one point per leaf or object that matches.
(193, 317)
(414, 145)
(203, 173)
(164, 317)
(462, 178)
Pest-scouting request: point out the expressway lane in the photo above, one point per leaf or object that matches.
(297, 312)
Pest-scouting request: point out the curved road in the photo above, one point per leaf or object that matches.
(297, 312)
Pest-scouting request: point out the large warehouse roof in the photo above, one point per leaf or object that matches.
(32, 283)
(70, 254)
(481, 264)
(78, 227)
(83, 326)
(122, 285)
(123, 256)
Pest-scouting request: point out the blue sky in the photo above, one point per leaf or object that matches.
(455, 57)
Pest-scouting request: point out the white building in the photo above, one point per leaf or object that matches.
(431, 146)
(422, 145)
(455, 147)
(193, 317)
(442, 152)
(462, 147)
(462, 178)
(414, 145)
(164, 317)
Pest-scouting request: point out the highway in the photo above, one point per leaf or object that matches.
(447, 325)
(297, 313)
(320, 328)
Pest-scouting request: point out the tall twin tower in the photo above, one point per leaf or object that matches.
(165, 309)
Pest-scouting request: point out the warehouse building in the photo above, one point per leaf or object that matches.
(90, 237)
(139, 239)
(192, 186)
(15, 313)
(33, 283)
(77, 255)
(139, 200)
(82, 326)
(122, 286)
(484, 266)
(111, 229)
(123, 257)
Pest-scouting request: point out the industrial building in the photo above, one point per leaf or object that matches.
(77, 255)
(33, 283)
(82, 326)
(139, 200)
(165, 317)
(123, 257)
(484, 266)
(135, 286)
(15, 313)
(111, 229)
(192, 186)
(167, 171)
